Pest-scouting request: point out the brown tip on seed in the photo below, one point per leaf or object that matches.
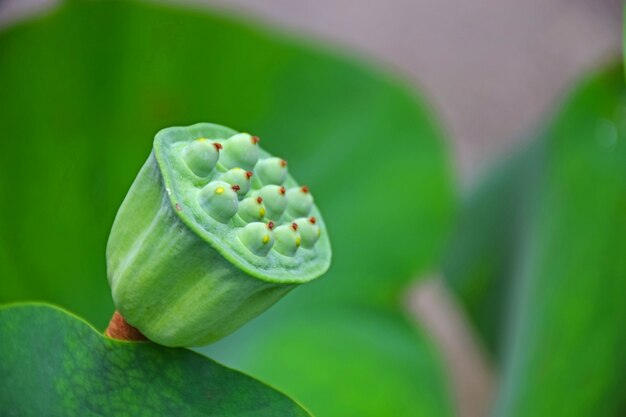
(305, 189)
(283, 163)
(312, 220)
(218, 146)
(282, 190)
(236, 187)
(294, 226)
(255, 140)
(249, 174)
(270, 225)
(259, 200)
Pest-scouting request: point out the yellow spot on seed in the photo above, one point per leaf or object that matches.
(262, 211)
(298, 241)
(266, 239)
(201, 139)
(219, 190)
(319, 232)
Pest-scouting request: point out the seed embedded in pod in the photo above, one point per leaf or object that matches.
(251, 209)
(201, 155)
(239, 177)
(271, 171)
(309, 231)
(257, 237)
(287, 239)
(219, 200)
(300, 201)
(274, 200)
(240, 150)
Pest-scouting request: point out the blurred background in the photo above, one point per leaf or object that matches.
(494, 285)
(492, 68)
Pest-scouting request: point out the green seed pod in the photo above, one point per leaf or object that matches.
(271, 171)
(239, 178)
(309, 231)
(288, 239)
(201, 155)
(300, 201)
(251, 209)
(240, 151)
(219, 199)
(257, 237)
(274, 199)
(183, 266)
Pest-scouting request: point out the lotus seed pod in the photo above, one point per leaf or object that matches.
(240, 178)
(287, 238)
(240, 151)
(201, 155)
(183, 265)
(257, 237)
(274, 199)
(309, 231)
(271, 171)
(300, 201)
(219, 200)
(251, 209)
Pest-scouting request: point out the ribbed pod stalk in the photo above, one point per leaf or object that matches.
(167, 281)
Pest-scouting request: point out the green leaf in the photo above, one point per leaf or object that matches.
(538, 261)
(85, 89)
(55, 364)
(481, 256)
(344, 362)
(566, 355)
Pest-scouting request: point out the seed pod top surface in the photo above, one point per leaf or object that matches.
(208, 170)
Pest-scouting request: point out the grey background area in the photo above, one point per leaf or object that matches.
(492, 69)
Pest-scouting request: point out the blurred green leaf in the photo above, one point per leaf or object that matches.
(479, 261)
(344, 361)
(537, 261)
(85, 90)
(55, 364)
(566, 354)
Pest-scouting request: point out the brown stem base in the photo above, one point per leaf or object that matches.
(121, 330)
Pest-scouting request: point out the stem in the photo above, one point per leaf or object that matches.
(121, 330)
